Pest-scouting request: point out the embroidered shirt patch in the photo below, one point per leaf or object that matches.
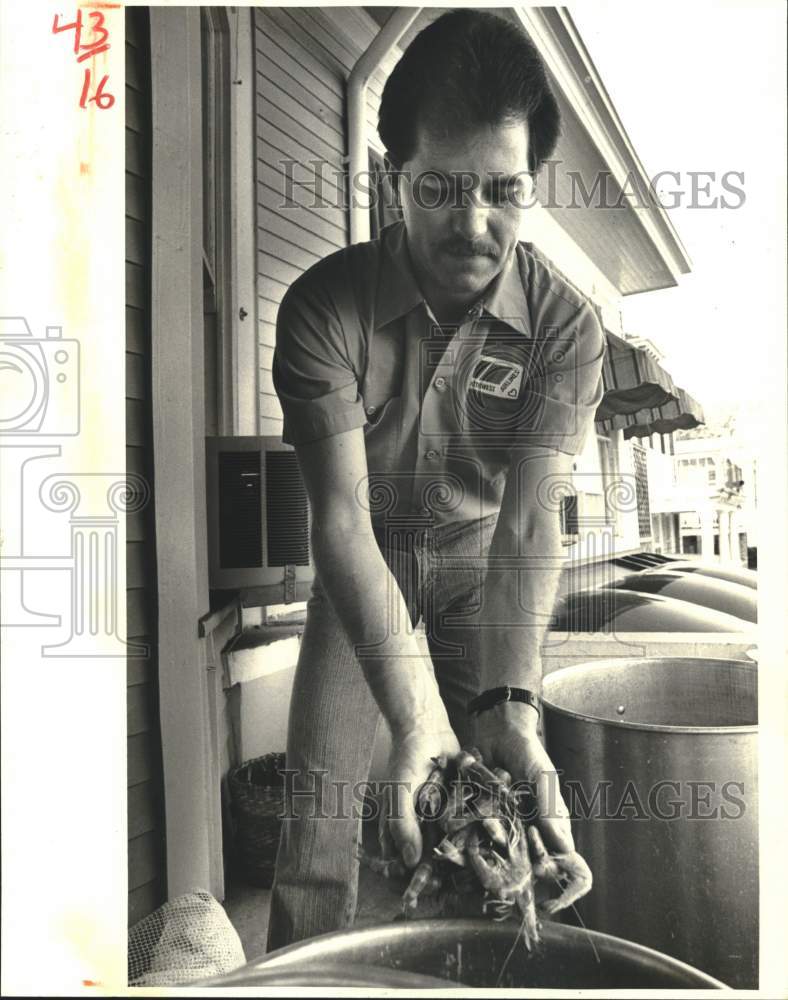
(497, 377)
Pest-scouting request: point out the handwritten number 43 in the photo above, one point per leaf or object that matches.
(98, 44)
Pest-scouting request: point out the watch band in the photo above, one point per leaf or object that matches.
(496, 696)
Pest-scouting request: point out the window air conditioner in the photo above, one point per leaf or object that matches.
(258, 520)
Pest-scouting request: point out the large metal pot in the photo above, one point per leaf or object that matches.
(475, 953)
(659, 768)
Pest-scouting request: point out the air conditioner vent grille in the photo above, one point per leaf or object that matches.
(240, 527)
(287, 511)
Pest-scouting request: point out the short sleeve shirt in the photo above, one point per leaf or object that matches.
(443, 409)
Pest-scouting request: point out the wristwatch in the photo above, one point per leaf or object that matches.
(497, 696)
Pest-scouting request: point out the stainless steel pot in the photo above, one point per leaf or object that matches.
(659, 762)
(320, 974)
(475, 953)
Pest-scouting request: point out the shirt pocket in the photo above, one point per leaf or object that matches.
(382, 435)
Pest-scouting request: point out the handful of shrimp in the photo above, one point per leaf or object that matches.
(474, 837)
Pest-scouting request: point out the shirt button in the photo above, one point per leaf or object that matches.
(558, 377)
(440, 383)
(431, 455)
(371, 410)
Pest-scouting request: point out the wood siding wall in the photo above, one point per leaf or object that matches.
(303, 58)
(146, 860)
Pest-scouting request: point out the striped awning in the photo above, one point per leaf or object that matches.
(640, 397)
(633, 380)
(680, 413)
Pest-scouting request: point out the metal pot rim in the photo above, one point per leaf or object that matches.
(286, 957)
(749, 729)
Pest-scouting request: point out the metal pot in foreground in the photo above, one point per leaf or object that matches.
(471, 953)
(659, 769)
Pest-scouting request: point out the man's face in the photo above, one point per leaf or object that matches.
(462, 199)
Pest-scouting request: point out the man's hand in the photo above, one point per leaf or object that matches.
(507, 738)
(410, 763)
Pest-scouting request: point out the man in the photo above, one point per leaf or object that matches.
(434, 382)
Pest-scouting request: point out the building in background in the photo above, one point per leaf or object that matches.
(708, 493)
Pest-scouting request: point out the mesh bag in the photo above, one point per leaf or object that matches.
(188, 938)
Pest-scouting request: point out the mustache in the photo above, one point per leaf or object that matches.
(463, 248)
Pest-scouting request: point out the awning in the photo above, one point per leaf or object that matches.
(680, 413)
(640, 397)
(633, 381)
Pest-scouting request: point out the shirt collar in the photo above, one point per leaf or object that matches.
(505, 299)
(398, 292)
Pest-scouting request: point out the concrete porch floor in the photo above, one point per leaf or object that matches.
(248, 906)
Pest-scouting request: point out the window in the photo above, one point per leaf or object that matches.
(656, 523)
(641, 490)
(607, 465)
(570, 527)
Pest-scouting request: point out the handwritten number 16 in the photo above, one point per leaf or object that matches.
(102, 100)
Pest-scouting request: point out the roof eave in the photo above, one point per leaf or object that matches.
(560, 45)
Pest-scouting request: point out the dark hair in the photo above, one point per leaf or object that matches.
(468, 67)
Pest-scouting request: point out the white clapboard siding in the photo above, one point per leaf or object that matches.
(303, 57)
(300, 108)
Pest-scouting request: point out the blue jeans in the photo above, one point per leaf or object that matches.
(334, 719)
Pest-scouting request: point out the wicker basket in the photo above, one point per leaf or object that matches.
(257, 795)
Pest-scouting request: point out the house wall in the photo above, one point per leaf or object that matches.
(147, 876)
(299, 117)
